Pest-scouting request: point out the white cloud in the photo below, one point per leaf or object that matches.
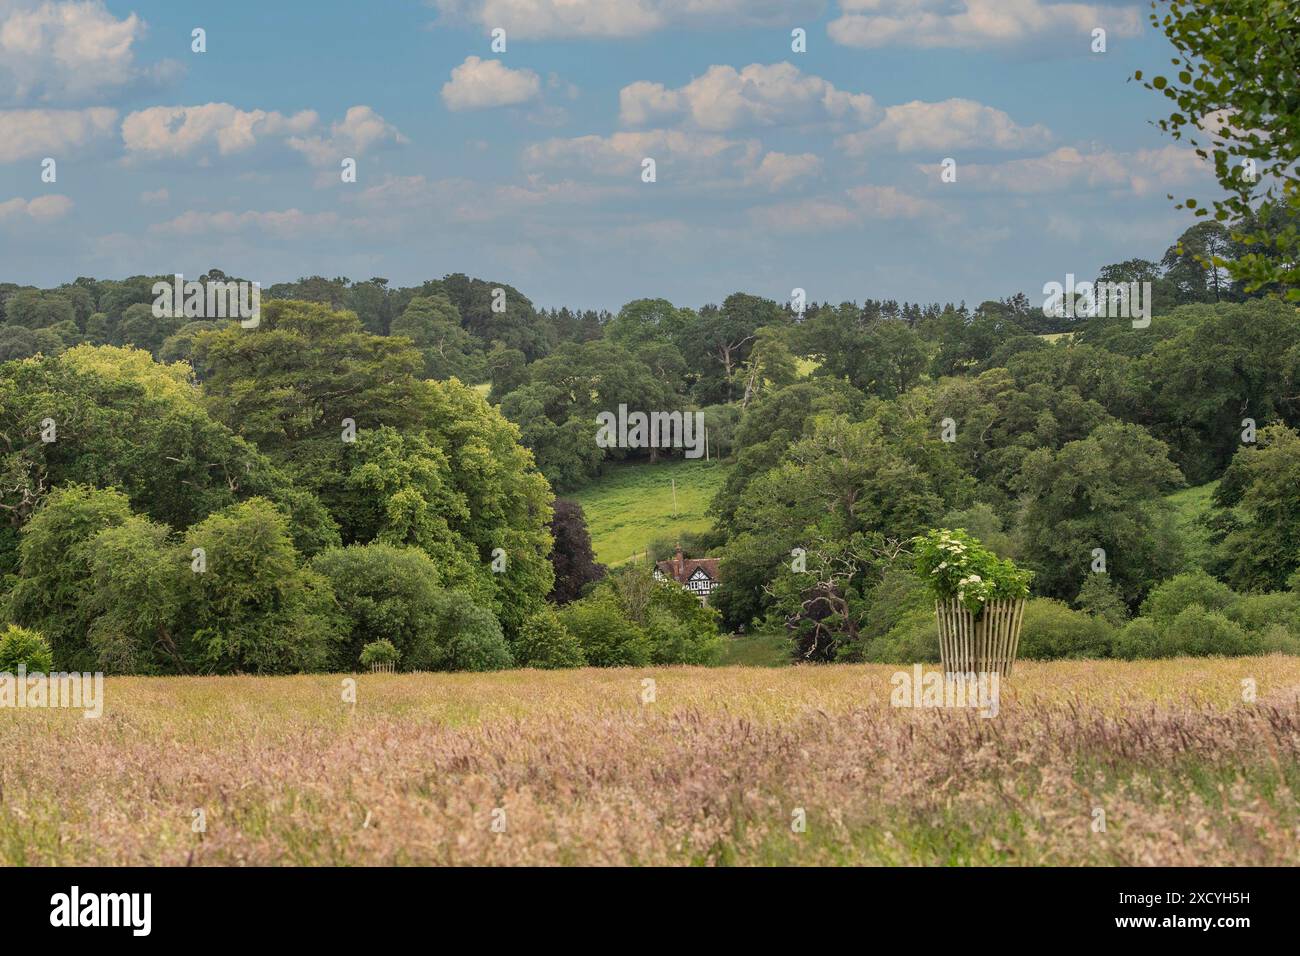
(278, 224)
(780, 169)
(40, 209)
(927, 24)
(157, 195)
(1068, 168)
(950, 124)
(536, 19)
(480, 84)
(171, 131)
(56, 52)
(676, 152)
(859, 205)
(725, 98)
(28, 133)
(360, 129)
(182, 131)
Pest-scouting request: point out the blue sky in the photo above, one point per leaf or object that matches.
(775, 169)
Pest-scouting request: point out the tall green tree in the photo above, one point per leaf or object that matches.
(1235, 91)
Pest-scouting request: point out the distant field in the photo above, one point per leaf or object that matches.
(574, 768)
(756, 650)
(631, 505)
(1057, 336)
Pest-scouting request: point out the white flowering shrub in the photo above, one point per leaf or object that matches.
(957, 566)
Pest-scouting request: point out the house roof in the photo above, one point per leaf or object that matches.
(689, 566)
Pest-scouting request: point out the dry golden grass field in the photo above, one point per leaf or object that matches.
(575, 769)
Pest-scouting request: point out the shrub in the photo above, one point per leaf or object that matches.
(384, 593)
(607, 637)
(379, 652)
(1053, 630)
(544, 642)
(915, 637)
(1180, 592)
(680, 629)
(1197, 632)
(466, 637)
(898, 594)
(28, 649)
(1136, 640)
(667, 622)
(1100, 598)
(1276, 639)
(1257, 612)
(956, 565)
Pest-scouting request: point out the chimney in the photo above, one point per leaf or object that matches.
(679, 563)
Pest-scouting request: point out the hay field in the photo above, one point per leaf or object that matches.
(527, 767)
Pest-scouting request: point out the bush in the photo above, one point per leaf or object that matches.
(466, 637)
(897, 596)
(1258, 612)
(954, 564)
(384, 593)
(544, 642)
(1136, 640)
(1180, 592)
(1100, 598)
(1197, 632)
(379, 652)
(20, 647)
(607, 637)
(659, 622)
(1276, 639)
(915, 637)
(1052, 630)
(680, 629)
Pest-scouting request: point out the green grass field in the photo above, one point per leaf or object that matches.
(632, 504)
(755, 650)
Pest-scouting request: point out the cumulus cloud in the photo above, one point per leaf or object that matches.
(172, 131)
(40, 209)
(183, 131)
(780, 169)
(949, 124)
(536, 19)
(481, 84)
(927, 24)
(1141, 172)
(725, 98)
(685, 153)
(57, 52)
(360, 129)
(28, 133)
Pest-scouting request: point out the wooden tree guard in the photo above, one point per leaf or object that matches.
(983, 644)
